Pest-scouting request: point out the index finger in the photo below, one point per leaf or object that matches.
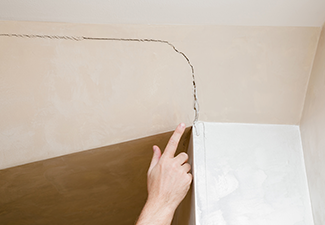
(174, 140)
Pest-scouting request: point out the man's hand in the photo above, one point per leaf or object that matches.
(168, 182)
(168, 177)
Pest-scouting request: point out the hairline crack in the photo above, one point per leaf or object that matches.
(81, 38)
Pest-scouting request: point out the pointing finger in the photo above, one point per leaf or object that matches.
(174, 140)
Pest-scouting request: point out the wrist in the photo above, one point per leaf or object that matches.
(156, 213)
(161, 205)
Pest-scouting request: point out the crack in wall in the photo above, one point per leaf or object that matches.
(81, 38)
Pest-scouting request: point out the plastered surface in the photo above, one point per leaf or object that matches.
(250, 174)
(58, 97)
(101, 186)
(313, 132)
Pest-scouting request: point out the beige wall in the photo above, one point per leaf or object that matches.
(59, 97)
(313, 133)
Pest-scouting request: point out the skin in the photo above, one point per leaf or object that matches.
(169, 180)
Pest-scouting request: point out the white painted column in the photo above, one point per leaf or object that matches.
(249, 174)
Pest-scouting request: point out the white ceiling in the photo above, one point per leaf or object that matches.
(218, 12)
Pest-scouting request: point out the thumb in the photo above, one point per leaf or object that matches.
(155, 157)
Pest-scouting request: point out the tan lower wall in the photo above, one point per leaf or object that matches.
(313, 133)
(101, 186)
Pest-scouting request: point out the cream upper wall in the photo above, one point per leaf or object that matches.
(313, 133)
(253, 74)
(60, 96)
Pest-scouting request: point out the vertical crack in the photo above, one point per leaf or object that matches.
(81, 38)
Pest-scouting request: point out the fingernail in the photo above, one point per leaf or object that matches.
(182, 125)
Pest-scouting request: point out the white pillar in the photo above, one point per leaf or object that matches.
(249, 174)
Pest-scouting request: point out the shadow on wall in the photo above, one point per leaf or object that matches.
(100, 186)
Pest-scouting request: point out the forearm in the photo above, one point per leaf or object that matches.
(155, 214)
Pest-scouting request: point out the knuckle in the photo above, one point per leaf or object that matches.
(173, 142)
(184, 155)
(190, 177)
(174, 166)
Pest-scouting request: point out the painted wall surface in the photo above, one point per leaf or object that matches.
(102, 186)
(250, 174)
(63, 96)
(313, 133)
